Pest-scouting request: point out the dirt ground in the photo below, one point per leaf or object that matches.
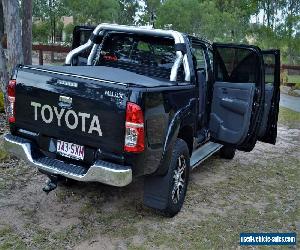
(254, 192)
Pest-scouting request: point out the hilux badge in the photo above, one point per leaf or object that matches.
(114, 94)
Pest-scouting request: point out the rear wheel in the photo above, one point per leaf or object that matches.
(227, 152)
(178, 178)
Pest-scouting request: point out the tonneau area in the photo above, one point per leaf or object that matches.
(106, 73)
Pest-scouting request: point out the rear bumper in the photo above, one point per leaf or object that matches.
(102, 171)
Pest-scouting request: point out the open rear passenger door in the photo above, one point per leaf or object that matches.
(238, 95)
(268, 128)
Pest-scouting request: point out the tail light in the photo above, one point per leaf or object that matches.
(11, 96)
(134, 126)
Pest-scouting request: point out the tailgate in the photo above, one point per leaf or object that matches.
(85, 111)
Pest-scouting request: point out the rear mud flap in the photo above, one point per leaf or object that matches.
(156, 191)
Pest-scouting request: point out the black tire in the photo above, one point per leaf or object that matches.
(227, 152)
(177, 182)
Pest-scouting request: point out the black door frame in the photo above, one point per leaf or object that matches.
(271, 131)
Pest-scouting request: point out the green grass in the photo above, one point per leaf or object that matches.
(9, 239)
(3, 154)
(1, 102)
(289, 117)
(297, 86)
(294, 79)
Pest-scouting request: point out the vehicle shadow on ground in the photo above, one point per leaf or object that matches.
(98, 198)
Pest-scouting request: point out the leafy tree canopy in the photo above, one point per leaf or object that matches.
(266, 23)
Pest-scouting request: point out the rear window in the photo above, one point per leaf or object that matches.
(81, 35)
(146, 55)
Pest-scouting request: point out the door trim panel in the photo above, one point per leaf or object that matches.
(231, 111)
(234, 105)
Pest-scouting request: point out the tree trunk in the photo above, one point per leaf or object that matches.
(3, 69)
(52, 17)
(14, 37)
(268, 12)
(1, 22)
(27, 30)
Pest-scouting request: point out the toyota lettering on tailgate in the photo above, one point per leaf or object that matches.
(89, 123)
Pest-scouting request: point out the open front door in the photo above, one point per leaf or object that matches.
(238, 95)
(268, 128)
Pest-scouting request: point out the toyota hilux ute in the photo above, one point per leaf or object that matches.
(133, 102)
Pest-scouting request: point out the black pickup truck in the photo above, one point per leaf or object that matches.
(133, 102)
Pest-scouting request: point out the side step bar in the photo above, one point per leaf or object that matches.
(202, 153)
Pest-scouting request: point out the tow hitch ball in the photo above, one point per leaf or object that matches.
(51, 184)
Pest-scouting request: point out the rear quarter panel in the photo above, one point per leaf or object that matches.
(165, 111)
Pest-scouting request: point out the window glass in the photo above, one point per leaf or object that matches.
(236, 65)
(200, 58)
(269, 63)
(81, 36)
(84, 36)
(147, 55)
